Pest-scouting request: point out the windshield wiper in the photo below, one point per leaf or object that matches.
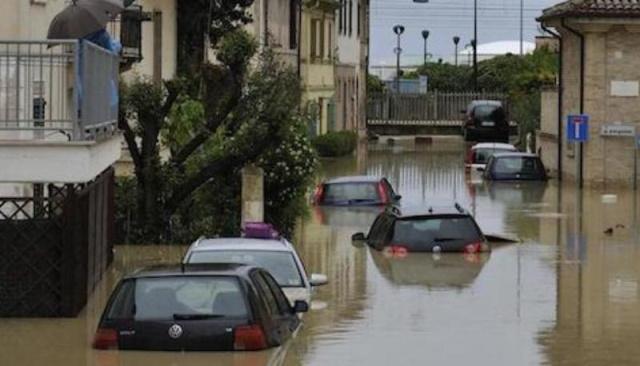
(196, 316)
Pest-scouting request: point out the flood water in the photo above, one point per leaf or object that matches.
(568, 294)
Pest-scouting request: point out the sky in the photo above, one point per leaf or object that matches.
(498, 20)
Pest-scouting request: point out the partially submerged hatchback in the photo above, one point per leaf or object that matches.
(479, 154)
(515, 167)
(355, 191)
(398, 232)
(228, 307)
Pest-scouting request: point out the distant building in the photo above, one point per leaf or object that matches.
(488, 51)
(600, 78)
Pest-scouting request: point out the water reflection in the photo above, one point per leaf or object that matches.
(434, 272)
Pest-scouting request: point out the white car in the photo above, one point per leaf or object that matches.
(479, 154)
(278, 256)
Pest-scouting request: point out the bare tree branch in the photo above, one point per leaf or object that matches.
(130, 139)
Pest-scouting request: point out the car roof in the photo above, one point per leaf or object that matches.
(425, 211)
(496, 103)
(241, 244)
(355, 179)
(225, 269)
(493, 145)
(515, 155)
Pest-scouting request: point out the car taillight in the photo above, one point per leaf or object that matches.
(318, 193)
(105, 339)
(249, 338)
(470, 156)
(382, 192)
(473, 248)
(396, 251)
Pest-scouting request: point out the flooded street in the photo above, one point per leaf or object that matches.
(568, 294)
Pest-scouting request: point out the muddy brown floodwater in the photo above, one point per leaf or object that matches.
(569, 294)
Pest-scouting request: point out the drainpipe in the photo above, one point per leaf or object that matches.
(560, 98)
(582, 61)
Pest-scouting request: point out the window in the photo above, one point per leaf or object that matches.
(345, 17)
(518, 166)
(420, 233)
(350, 17)
(283, 304)
(340, 16)
(329, 40)
(379, 233)
(293, 24)
(281, 265)
(322, 31)
(359, 24)
(314, 38)
(266, 294)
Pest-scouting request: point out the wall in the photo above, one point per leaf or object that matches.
(278, 21)
(547, 136)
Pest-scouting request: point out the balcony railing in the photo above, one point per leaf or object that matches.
(57, 90)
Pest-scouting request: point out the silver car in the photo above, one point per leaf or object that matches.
(278, 256)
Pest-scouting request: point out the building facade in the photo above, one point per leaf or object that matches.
(317, 66)
(275, 25)
(600, 78)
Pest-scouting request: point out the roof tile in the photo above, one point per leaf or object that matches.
(593, 8)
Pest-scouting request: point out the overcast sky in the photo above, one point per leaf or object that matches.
(498, 20)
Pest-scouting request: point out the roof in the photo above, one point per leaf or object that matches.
(593, 8)
(422, 211)
(354, 179)
(240, 244)
(494, 145)
(486, 102)
(229, 269)
(515, 155)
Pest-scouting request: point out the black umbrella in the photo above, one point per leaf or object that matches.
(83, 17)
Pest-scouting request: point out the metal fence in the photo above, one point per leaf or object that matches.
(57, 90)
(433, 106)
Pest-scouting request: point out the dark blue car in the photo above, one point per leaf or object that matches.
(515, 167)
(355, 191)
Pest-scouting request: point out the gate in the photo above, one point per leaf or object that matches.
(55, 249)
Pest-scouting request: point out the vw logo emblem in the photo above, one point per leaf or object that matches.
(175, 331)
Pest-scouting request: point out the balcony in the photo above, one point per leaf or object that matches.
(58, 111)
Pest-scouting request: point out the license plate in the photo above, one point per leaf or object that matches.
(488, 124)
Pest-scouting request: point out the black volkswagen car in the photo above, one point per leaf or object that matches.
(433, 229)
(222, 307)
(486, 121)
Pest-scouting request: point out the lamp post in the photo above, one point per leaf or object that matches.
(521, 27)
(475, 45)
(425, 36)
(398, 30)
(456, 40)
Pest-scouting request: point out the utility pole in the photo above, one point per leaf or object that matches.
(456, 40)
(475, 45)
(521, 27)
(425, 35)
(398, 30)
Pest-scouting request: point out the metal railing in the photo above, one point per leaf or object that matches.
(57, 90)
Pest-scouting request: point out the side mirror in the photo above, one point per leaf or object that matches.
(358, 237)
(300, 307)
(397, 197)
(318, 280)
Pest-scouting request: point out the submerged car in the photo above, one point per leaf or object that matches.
(224, 307)
(515, 167)
(486, 121)
(278, 256)
(479, 154)
(355, 191)
(433, 229)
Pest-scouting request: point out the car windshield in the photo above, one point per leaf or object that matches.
(179, 298)
(345, 192)
(422, 233)
(482, 155)
(282, 265)
(528, 166)
(489, 113)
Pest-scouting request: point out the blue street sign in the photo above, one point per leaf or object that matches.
(578, 128)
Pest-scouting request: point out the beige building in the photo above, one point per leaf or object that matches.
(600, 77)
(318, 61)
(275, 25)
(351, 64)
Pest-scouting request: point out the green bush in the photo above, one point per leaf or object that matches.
(335, 144)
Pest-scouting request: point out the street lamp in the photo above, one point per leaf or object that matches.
(425, 36)
(398, 30)
(456, 40)
(475, 45)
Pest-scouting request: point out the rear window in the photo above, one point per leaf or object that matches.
(281, 265)
(345, 192)
(489, 115)
(416, 233)
(168, 298)
(527, 166)
(482, 155)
